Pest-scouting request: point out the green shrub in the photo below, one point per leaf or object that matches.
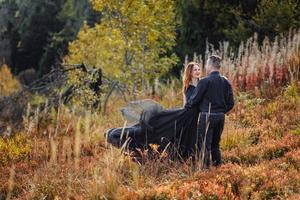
(291, 93)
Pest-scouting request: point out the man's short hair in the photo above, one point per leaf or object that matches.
(214, 61)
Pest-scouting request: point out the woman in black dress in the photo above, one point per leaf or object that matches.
(173, 130)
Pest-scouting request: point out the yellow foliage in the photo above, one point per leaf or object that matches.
(14, 148)
(129, 42)
(8, 84)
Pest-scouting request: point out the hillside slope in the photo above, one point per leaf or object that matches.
(64, 155)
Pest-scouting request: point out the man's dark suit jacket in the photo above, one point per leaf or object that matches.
(214, 89)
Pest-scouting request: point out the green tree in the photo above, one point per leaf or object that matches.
(130, 43)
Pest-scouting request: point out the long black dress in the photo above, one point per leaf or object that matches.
(173, 130)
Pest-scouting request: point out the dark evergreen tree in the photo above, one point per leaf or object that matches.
(35, 31)
(38, 32)
(213, 21)
(8, 36)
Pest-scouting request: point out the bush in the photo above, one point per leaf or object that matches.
(14, 148)
(8, 84)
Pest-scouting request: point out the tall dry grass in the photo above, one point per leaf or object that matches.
(259, 66)
(76, 162)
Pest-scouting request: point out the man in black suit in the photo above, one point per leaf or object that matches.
(213, 96)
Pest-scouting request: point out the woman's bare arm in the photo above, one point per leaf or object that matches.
(184, 99)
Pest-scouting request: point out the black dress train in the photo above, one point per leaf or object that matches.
(173, 130)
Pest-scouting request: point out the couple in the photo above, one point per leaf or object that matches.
(193, 131)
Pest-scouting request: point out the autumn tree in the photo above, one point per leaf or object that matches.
(131, 43)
